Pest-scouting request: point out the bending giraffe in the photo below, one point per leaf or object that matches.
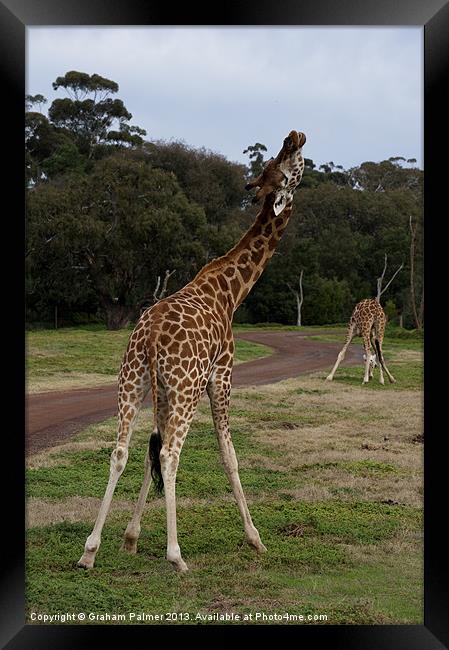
(368, 321)
(183, 346)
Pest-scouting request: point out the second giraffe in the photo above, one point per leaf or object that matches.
(368, 321)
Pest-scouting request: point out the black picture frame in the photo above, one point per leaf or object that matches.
(433, 16)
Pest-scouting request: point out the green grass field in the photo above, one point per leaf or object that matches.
(333, 477)
(81, 357)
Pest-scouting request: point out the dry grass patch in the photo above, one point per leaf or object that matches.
(42, 512)
(55, 455)
(69, 381)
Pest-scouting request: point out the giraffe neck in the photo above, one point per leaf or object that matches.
(236, 272)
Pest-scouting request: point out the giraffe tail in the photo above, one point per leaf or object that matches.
(155, 441)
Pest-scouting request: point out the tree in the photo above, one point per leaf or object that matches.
(255, 154)
(114, 229)
(32, 100)
(89, 114)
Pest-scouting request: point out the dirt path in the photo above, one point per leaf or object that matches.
(53, 417)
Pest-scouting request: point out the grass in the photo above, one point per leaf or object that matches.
(333, 477)
(86, 356)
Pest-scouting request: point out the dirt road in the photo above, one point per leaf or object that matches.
(53, 417)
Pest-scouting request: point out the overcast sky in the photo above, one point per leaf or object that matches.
(356, 92)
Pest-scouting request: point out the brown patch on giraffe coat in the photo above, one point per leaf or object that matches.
(257, 256)
(213, 282)
(235, 286)
(223, 283)
(272, 243)
(245, 272)
(180, 335)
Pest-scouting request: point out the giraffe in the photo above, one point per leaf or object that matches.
(183, 346)
(275, 171)
(367, 320)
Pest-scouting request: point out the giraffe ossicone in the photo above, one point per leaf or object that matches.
(183, 347)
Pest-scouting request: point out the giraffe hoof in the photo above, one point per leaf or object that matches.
(329, 378)
(130, 546)
(180, 566)
(257, 546)
(85, 564)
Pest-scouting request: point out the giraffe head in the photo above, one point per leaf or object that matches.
(293, 142)
(372, 360)
(291, 164)
(282, 174)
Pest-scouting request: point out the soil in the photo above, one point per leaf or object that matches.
(53, 417)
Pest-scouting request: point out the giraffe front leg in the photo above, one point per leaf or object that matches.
(230, 464)
(366, 377)
(342, 353)
(219, 389)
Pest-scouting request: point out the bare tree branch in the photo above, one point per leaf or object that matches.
(380, 280)
(155, 298)
(392, 278)
(168, 275)
(157, 294)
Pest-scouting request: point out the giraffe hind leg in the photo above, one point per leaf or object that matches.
(133, 529)
(129, 406)
(178, 424)
(382, 363)
(219, 391)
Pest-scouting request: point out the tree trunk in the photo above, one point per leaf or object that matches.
(299, 299)
(298, 306)
(116, 316)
